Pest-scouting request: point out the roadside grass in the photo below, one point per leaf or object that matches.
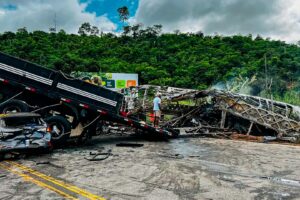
(291, 97)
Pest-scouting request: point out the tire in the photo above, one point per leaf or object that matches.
(102, 128)
(60, 126)
(14, 106)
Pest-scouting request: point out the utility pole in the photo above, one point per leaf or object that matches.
(55, 22)
(53, 29)
(266, 72)
(268, 80)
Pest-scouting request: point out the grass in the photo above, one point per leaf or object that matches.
(291, 97)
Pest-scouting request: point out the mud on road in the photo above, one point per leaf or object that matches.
(190, 168)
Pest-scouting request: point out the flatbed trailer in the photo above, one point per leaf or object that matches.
(71, 105)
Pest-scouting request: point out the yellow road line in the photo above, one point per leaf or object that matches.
(62, 184)
(37, 182)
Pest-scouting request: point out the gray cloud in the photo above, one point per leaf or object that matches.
(39, 15)
(278, 19)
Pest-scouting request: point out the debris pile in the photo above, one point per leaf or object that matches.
(221, 114)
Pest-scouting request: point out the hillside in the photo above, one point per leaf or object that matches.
(181, 60)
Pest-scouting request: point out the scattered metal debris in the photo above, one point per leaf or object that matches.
(47, 162)
(98, 156)
(2, 175)
(43, 163)
(173, 156)
(134, 145)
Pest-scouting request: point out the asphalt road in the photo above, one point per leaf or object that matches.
(190, 168)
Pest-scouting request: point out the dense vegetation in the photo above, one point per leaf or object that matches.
(183, 60)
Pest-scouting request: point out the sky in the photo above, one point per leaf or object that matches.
(277, 19)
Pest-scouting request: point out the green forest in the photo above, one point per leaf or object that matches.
(248, 64)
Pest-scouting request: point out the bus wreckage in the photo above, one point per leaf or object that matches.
(221, 113)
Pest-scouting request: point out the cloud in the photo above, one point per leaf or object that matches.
(278, 19)
(39, 15)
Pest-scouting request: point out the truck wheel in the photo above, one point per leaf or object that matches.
(14, 106)
(60, 129)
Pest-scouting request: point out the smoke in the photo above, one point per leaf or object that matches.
(219, 86)
(237, 85)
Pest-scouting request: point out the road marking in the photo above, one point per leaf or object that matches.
(37, 182)
(62, 184)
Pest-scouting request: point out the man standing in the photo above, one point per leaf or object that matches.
(157, 109)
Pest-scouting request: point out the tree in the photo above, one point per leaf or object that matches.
(62, 31)
(84, 29)
(135, 29)
(123, 13)
(94, 30)
(126, 30)
(87, 29)
(200, 34)
(177, 32)
(157, 29)
(22, 30)
(151, 31)
(52, 30)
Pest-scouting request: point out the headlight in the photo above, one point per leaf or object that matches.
(49, 129)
